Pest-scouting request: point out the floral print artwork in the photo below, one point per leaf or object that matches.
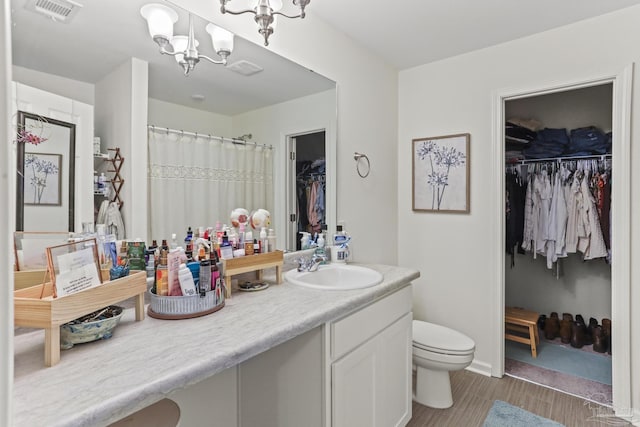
(440, 167)
(41, 183)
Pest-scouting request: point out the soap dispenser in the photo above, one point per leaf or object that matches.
(305, 240)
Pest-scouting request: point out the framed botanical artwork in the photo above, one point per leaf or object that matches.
(42, 183)
(441, 173)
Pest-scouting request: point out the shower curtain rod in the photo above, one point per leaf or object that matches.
(205, 135)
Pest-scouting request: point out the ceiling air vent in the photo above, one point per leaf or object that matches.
(245, 68)
(58, 10)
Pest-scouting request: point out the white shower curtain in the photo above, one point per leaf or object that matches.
(196, 181)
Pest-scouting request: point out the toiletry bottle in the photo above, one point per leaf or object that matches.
(256, 246)
(174, 242)
(226, 250)
(215, 275)
(188, 244)
(241, 236)
(185, 278)
(340, 237)
(162, 276)
(205, 276)
(248, 243)
(101, 182)
(304, 241)
(264, 243)
(271, 238)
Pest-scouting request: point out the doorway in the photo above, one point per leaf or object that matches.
(621, 202)
(306, 186)
(555, 144)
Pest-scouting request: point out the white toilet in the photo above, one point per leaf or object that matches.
(436, 351)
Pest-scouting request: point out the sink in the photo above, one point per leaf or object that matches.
(335, 277)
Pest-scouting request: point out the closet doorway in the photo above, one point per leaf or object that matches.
(620, 86)
(306, 186)
(557, 171)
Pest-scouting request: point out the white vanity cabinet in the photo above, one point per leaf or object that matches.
(371, 364)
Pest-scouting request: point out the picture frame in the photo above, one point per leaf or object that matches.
(440, 173)
(38, 138)
(74, 266)
(43, 179)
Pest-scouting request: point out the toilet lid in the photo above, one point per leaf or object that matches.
(440, 339)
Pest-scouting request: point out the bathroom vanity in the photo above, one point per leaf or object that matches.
(285, 356)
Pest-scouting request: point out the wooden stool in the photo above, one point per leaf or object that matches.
(524, 322)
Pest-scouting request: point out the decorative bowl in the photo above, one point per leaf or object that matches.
(80, 331)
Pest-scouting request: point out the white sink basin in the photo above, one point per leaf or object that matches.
(335, 277)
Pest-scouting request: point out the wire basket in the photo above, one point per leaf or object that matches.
(185, 307)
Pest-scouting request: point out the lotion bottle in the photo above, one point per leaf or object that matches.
(264, 243)
(187, 285)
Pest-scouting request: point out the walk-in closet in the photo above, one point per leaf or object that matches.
(310, 183)
(558, 169)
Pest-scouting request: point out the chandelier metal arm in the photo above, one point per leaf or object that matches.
(223, 9)
(300, 15)
(220, 62)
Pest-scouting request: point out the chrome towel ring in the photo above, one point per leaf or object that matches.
(357, 156)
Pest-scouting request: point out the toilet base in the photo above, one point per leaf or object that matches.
(433, 388)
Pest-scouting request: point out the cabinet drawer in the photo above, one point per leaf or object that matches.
(351, 331)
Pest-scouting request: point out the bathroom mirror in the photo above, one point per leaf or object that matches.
(101, 35)
(45, 181)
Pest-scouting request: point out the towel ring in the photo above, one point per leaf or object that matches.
(357, 156)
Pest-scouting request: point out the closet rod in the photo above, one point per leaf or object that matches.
(559, 159)
(218, 138)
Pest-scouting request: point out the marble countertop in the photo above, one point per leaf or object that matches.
(98, 383)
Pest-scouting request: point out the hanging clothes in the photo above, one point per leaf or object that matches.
(565, 208)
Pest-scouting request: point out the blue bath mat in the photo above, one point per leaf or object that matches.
(594, 367)
(503, 414)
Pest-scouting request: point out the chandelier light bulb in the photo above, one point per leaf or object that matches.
(160, 20)
(221, 39)
(179, 44)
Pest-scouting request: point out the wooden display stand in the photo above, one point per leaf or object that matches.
(524, 322)
(35, 307)
(250, 263)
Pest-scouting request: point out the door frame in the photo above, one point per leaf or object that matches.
(290, 185)
(621, 223)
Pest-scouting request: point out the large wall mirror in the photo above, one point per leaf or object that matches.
(45, 181)
(277, 104)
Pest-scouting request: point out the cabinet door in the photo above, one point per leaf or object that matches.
(372, 384)
(354, 387)
(394, 353)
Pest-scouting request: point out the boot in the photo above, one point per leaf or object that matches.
(606, 330)
(599, 344)
(541, 320)
(567, 316)
(578, 330)
(580, 319)
(589, 335)
(552, 327)
(565, 331)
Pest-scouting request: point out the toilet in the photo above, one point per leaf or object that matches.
(436, 351)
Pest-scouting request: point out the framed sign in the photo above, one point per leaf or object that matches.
(441, 173)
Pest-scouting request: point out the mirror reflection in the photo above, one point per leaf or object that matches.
(45, 181)
(258, 97)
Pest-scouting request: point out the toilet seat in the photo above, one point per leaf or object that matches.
(440, 339)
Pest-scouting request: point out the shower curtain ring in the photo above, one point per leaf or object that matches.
(357, 156)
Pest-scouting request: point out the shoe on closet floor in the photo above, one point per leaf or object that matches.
(552, 327)
(599, 340)
(565, 331)
(578, 331)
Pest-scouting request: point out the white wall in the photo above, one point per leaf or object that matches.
(7, 221)
(367, 120)
(73, 89)
(271, 125)
(455, 95)
(121, 121)
(174, 116)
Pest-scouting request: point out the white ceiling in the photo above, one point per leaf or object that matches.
(407, 33)
(404, 33)
(87, 49)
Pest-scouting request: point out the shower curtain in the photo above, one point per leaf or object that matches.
(196, 181)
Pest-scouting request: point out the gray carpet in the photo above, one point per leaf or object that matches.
(503, 414)
(583, 364)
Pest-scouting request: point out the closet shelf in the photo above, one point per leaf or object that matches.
(559, 159)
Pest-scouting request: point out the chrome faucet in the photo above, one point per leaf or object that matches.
(311, 264)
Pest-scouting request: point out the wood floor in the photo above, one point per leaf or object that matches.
(473, 395)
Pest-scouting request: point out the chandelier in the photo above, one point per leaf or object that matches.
(265, 12)
(184, 49)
